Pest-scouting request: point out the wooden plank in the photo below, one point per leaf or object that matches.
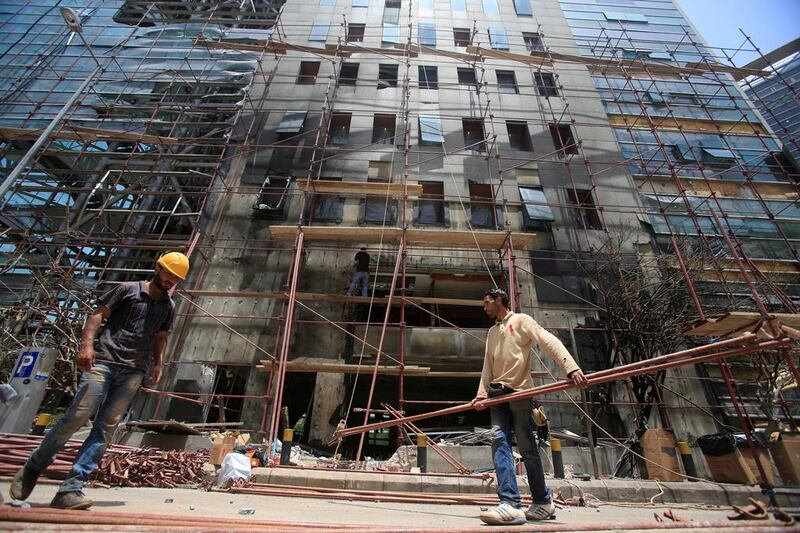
(83, 133)
(736, 322)
(419, 237)
(340, 298)
(344, 368)
(361, 187)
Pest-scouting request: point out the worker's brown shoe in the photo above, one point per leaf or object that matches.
(71, 500)
(23, 483)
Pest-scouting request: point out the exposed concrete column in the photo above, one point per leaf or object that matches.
(329, 393)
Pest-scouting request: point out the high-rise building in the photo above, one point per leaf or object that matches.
(776, 96)
(597, 159)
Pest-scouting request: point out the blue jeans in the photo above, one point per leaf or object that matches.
(516, 415)
(359, 277)
(106, 389)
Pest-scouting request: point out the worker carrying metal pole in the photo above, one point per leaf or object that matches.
(507, 369)
(133, 321)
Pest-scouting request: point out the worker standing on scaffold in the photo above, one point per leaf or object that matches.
(507, 369)
(138, 317)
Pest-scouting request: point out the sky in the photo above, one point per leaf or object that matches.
(770, 23)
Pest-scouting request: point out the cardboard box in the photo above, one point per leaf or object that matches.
(740, 467)
(220, 447)
(786, 453)
(658, 446)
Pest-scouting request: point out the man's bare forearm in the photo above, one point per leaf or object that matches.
(160, 348)
(90, 329)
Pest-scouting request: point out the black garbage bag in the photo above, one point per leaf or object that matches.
(721, 443)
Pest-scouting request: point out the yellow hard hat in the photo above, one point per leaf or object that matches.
(175, 262)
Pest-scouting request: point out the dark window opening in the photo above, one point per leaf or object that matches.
(430, 206)
(482, 212)
(466, 77)
(327, 207)
(339, 132)
(545, 83)
(507, 82)
(563, 139)
(563, 277)
(428, 77)
(379, 209)
(519, 138)
(585, 210)
(228, 381)
(383, 129)
(355, 33)
(462, 37)
(308, 72)
(533, 42)
(348, 74)
(273, 198)
(474, 137)
(387, 76)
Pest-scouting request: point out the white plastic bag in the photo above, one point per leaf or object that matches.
(235, 466)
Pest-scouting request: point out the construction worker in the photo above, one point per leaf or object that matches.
(138, 317)
(361, 274)
(507, 369)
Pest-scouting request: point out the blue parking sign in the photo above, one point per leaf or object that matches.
(25, 366)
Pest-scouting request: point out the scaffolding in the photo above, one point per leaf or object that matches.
(179, 135)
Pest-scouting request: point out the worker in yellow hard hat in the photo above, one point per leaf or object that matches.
(123, 339)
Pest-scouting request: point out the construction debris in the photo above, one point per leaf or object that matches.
(122, 466)
(756, 511)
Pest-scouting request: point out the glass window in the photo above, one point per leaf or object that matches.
(427, 33)
(348, 74)
(458, 5)
(391, 12)
(387, 76)
(391, 33)
(466, 77)
(523, 7)
(536, 205)
(430, 129)
(319, 32)
(291, 122)
(498, 38)
(490, 7)
(426, 5)
(360, 3)
(379, 209)
(428, 77)
(624, 17)
(533, 42)
(545, 83)
(462, 37)
(507, 82)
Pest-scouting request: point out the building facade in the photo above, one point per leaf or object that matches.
(535, 145)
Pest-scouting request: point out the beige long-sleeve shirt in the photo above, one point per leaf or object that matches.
(508, 352)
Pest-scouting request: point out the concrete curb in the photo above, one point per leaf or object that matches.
(607, 490)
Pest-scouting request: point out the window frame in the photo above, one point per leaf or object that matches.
(305, 78)
(424, 81)
(510, 85)
(345, 119)
(358, 37)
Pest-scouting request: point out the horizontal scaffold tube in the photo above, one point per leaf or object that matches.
(738, 346)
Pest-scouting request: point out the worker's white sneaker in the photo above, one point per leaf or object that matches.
(504, 514)
(539, 511)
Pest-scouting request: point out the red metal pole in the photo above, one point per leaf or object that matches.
(287, 337)
(397, 262)
(604, 376)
